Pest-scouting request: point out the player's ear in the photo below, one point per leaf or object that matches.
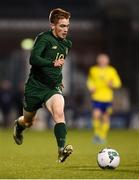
(52, 26)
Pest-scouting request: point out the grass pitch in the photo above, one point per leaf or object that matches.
(36, 158)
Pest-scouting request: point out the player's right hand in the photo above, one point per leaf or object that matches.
(59, 62)
(92, 90)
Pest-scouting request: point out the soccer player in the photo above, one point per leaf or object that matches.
(44, 85)
(102, 80)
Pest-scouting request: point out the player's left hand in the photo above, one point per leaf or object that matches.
(110, 84)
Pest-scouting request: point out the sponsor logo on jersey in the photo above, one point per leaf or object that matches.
(54, 47)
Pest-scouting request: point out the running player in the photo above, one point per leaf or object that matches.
(102, 80)
(44, 85)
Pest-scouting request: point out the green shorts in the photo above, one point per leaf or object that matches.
(36, 94)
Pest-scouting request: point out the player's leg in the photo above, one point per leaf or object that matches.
(21, 124)
(33, 99)
(56, 106)
(107, 111)
(105, 124)
(96, 114)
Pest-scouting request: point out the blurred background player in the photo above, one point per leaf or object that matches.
(102, 80)
(44, 84)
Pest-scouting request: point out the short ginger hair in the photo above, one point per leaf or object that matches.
(57, 14)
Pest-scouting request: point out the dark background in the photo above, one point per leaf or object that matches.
(110, 26)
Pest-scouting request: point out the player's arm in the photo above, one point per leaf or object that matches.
(116, 81)
(40, 45)
(90, 83)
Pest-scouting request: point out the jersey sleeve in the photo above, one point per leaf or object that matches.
(116, 79)
(90, 83)
(41, 43)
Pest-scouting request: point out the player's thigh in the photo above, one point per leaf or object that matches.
(97, 113)
(33, 98)
(55, 104)
(106, 116)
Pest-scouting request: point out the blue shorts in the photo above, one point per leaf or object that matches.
(103, 106)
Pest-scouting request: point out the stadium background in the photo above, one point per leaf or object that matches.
(110, 26)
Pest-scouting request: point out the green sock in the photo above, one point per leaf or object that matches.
(60, 134)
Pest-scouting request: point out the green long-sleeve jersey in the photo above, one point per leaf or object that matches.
(48, 48)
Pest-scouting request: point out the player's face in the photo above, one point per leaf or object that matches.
(61, 28)
(103, 60)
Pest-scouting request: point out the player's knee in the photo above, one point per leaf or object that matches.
(96, 114)
(28, 124)
(29, 121)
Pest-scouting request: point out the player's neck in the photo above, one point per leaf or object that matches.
(56, 36)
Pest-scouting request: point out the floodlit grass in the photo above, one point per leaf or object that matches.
(36, 158)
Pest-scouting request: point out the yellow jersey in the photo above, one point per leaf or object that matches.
(99, 79)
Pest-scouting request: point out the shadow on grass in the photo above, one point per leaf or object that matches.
(84, 168)
(94, 168)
